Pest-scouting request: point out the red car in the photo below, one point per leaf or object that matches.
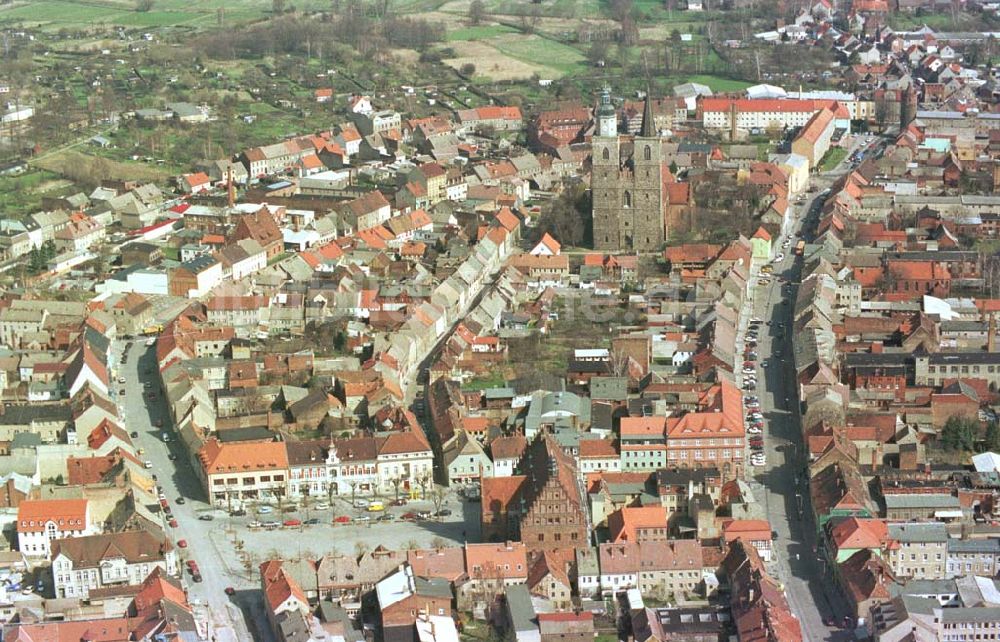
(341, 519)
(230, 590)
(293, 522)
(411, 516)
(192, 565)
(182, 543)
(173, 523)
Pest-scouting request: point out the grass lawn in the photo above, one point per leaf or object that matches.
(479, 32)
(718, 83)
(494, 380)
(23, 194)
(832, 158)
(536, 50)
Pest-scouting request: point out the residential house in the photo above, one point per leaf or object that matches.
(43, 521)
(84, 564)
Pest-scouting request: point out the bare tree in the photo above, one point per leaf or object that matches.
(396, 482)
(477, 11)
(438, 495)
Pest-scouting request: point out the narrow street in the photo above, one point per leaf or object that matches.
(783, 480)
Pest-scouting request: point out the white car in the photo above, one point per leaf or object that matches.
(753, 430)
(779, 258)
(122, 379)
(758, 462)
(749, 371)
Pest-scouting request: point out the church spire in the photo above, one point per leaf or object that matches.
(648, 129)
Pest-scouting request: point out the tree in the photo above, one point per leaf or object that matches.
(881, 112)
(396, 482)
(467, 69)
(993, 436)
(144, 6)
(277, 7)
(437, 498)
(959, 433)
(597, 54)
(477, 11)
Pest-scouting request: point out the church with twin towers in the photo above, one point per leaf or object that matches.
(628, 184)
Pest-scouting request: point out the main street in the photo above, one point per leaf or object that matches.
(783, 480)
(142, 407)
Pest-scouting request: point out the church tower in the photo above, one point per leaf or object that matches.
(605, 188)
(607, 119)
(629, 203)
(647, 201)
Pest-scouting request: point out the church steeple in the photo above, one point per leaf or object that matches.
(648, 129)
(607, 118)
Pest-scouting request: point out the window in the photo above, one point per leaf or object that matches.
(627, 199)
(647, 153)
(606, 154)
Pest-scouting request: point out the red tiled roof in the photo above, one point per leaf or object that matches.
(625, 523)
(859, 533)
(218, 457)
(68, 514)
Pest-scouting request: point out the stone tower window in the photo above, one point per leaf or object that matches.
(647, 153)
(606, 154)
(627, 199)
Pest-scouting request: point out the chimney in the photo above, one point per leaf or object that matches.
(877, 347)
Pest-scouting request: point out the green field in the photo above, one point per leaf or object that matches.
(57, 14)
(479, 33)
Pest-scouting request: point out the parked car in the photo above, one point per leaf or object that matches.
(134, 434)
(341, 519)
(292, 522)
(206, 517)
(264, 510)
(410, 516)
(182, 543)
(180, 500)
(444, 512)
(230, 590)
(173, 523)
(312, 521)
